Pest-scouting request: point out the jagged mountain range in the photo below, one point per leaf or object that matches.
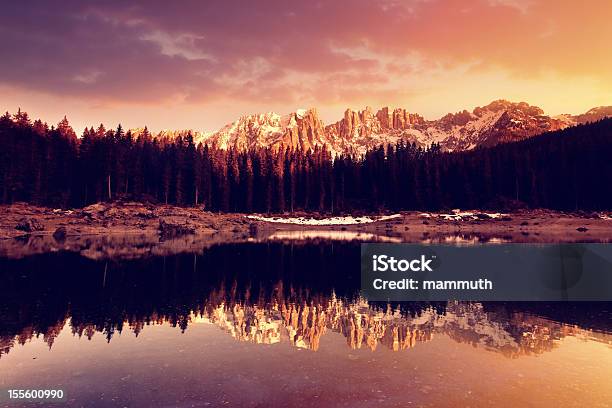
(498, 122)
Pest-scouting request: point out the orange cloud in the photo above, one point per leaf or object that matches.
(213, 61)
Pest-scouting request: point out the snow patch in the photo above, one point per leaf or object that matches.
(458, 215)
(324, 221)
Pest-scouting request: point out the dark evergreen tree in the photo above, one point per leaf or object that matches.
(564, 170)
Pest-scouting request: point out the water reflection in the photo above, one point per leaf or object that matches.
(266, 294)
(148, 244)
(304, 235)
(365, 326)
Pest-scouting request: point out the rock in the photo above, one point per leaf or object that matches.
(252, 229)
(169, 230)
(29, 225)
(524, 223)
(93, 210)
(146, 214)
(482, 216)
(60, 234)
(115, 212)
(582, 229)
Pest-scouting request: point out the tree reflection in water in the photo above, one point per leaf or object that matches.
(265, 293)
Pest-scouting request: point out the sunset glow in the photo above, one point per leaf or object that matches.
(204, 64)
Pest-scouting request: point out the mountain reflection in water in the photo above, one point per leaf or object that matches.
(365, 326)
(266, 293)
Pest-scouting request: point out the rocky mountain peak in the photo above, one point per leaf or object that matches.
(305, 131)
(357, 131)
(518, 108)
(595, 114)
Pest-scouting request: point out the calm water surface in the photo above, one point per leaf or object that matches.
(276, 324)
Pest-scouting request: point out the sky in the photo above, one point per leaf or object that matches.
(202, 64)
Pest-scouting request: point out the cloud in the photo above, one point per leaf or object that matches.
(119, 52)
(182, 45)
(88, 77)
(520, 5)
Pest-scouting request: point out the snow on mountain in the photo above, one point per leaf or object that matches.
(250, 131)
(500, 121)
(595, 114)
(302, 128)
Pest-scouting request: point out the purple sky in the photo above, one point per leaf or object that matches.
(201, 64)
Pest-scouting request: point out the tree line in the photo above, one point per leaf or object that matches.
(50, 166)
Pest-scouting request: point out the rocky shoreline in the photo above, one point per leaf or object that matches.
(132, 230)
